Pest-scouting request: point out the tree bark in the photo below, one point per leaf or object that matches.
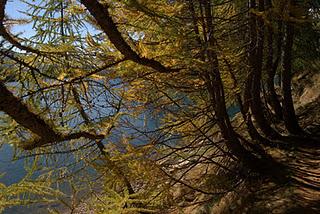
(263, 165)
(101, 14)
(46, 134)
(290, 118)
(255, 61)
(271, 68)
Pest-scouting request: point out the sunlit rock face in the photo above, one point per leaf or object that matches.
(309, 93)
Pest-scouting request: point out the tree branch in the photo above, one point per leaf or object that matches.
(100, 13)
(17, 110)
(4, 33)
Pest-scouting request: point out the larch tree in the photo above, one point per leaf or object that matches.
(93, 69)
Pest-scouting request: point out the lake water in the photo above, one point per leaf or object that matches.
(14, 170)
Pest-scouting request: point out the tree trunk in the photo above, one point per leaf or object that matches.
(289, 115)
(263, 165)
(255, 61)
(271, 68)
